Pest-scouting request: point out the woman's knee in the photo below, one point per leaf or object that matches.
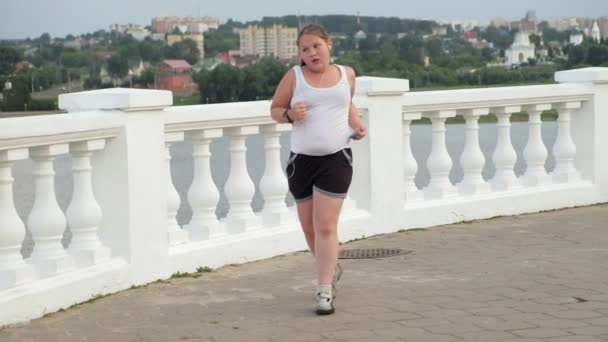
(325, 229)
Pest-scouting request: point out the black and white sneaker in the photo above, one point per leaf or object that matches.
(325, 300)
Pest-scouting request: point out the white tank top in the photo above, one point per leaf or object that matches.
(325, 128)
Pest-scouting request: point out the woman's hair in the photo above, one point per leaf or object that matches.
(313, 29)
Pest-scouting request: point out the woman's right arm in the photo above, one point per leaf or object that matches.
(282, 97)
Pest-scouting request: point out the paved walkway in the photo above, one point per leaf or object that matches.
(540, 277)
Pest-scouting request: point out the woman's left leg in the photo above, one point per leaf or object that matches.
(326, 211)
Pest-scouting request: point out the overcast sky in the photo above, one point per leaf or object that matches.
(31, 18)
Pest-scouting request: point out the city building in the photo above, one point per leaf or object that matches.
(576, 38)
(192, 24)
(595, 32)
(278, 41)
(174, 75)
(520, 51)
(197, 37)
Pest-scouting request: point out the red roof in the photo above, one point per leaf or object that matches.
(177, 63)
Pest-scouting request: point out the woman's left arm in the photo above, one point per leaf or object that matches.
(354, 120)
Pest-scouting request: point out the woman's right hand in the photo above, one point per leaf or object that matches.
(298, 111)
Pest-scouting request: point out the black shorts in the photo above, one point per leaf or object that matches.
(330, 175)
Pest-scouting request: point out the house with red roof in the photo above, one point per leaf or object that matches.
(175, 75)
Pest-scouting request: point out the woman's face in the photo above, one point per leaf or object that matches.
(314, 51)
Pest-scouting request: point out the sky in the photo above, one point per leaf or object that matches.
(30, 18)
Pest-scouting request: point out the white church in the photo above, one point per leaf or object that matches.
(520, 50)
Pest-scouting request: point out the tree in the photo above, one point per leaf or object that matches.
(186, 49)
(597, 55)
(118, 66)
(18, 96)
(8, 58)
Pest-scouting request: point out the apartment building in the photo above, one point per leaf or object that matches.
(278, 41)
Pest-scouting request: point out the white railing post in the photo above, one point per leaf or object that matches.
(239, 188)
(46, 222)
(535, 152)
(130, 177)
(410, 166)
(203, 194)
(472, 159)
(379, 157)
(273, 184)
(504, 156)
(564, 148)
(589, 127)
(439, 162)
(175, 234)
(13, 270)
(84, 214)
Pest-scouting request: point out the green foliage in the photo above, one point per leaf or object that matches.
(8, 58)
(17, 98)
(118, 66)
(42, 104)
(220, 40)
(227, 83)
(186, 49)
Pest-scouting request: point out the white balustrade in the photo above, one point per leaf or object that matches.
(84, 214)
(273, 184)
(564, 148)
(504, 156)
(13, 270)
(472, 159)
(439, 162)
(175, 233)
(535, 152)
(46, 221)
(203, 194)
(410, 166)
(239, 188)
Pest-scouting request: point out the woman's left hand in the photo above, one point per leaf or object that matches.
(361, 132)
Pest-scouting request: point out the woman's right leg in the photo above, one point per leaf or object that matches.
(305, 216)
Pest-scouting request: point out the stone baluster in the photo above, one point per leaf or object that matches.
(84, 214)
(203, 194)
(13, 270)
(239, 188)
(504, 156)
(175, 233)
(535, 152)
(46, 221)
(273, 184)
(472, 159)
(439, 162)
(564, 148)
(410, 166)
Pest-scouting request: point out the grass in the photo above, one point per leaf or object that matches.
(186, 100)
(197, 274)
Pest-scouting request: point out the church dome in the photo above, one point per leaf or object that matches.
(521, 38)
(360, 35)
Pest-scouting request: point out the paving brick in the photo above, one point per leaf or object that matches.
(505, 279)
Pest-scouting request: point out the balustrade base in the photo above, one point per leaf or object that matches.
(505, 184)
(178, 236)
(431, 193)
(50, 267)
(535, 180)
(89, 257)
(473, 189)
(278, 218)
(241, 225)
(16, 276)
(413, 196)
(565, 177)
(205, 231)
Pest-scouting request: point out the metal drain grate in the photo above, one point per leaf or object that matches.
(371, 253)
